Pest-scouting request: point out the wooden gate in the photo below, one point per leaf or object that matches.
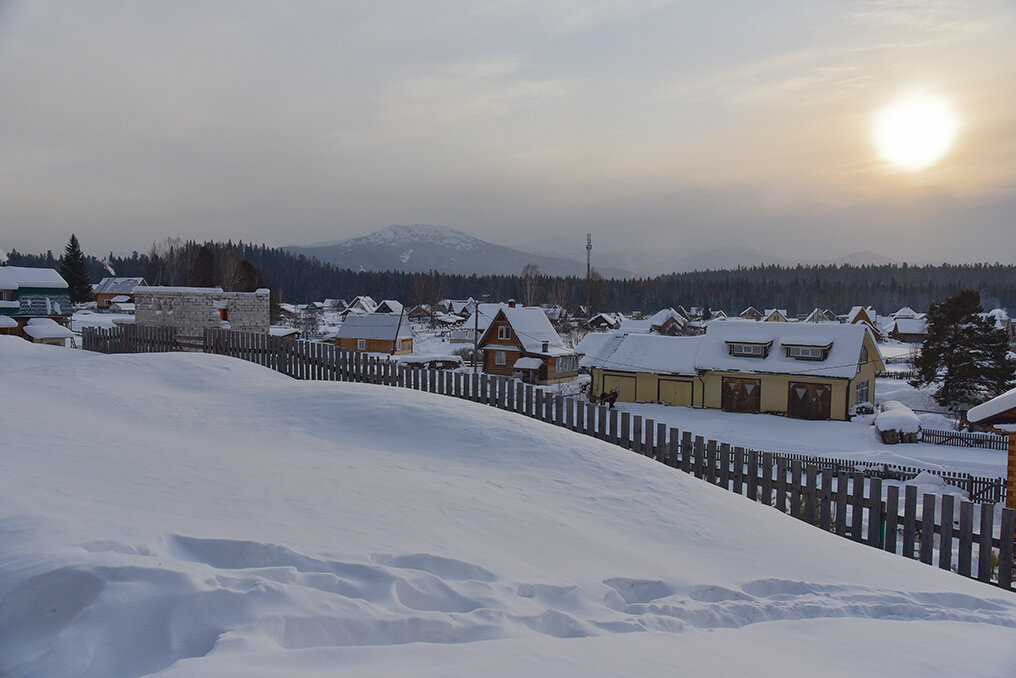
(674, 392)
(809, 401)
(741, 395)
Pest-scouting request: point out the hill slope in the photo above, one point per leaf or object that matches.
(235, 522)
(421, 249)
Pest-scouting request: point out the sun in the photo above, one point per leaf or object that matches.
(915, 132)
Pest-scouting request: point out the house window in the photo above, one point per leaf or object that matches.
(361, 344)
(864, 356)
(499, 358)
(749, 350)
(806, 352)
(223, 314)
(504, 332)
(566, 363)
(862, 392)
(6, 295)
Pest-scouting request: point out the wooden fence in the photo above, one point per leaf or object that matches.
(991, 441)
(897, 374)
(856, 504)
(130, 339)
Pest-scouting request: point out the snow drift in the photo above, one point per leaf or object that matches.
(194, 515)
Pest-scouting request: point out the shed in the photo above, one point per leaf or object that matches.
(376, 333)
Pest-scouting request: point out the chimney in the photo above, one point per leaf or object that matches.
(512, 303)
(546, 346)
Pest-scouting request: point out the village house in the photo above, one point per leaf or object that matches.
(388, 333)
(389, 306)
(27, 293)
(605, 321)
(665, 321)
(867, 316)
(521, 342)
(751, 313)
(997, 415)
(116, 290)
(361, 304)
(192, 310)
(820, 315)
(775, 315)
(798, 370)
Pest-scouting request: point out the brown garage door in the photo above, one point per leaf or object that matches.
(741, 395)
(810, 401)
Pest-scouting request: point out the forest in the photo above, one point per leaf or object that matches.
(798, 289)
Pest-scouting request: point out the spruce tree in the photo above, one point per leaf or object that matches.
(72, 269)
(964, 353)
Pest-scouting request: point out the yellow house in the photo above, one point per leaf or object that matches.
(798, 370)
(775, 315)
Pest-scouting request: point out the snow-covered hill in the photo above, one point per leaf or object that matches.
(422, 248)
(194, 515)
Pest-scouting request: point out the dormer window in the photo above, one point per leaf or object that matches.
(749, 350)
(808, 352)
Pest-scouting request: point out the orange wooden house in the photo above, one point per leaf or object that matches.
(376, 333)
(521, 342)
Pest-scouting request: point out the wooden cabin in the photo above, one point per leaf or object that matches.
(109, 289)
(521, 342)
(376, 333)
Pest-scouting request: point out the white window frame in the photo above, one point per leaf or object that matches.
(862, 394)
(806, 352)
(499, 358)
(748, 350)
(504, 332)
(361, 344)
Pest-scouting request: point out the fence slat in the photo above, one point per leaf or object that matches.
(945, 540)
(984, 543)
(965, 555)
(927, 527)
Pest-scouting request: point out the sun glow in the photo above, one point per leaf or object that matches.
(915, 132)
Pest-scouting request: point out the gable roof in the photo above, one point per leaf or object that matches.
(386, 326)
(910, 326)
(868, 313)
(993, 407)
(819, 316)
(118, 285)
(16, 277)
(363, 302)
(391, 305)
(532, 328)
(487, 313)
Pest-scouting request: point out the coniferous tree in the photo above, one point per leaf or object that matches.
(202, 270)
(74, 271)
(963, 353)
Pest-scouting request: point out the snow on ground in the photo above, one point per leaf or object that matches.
(195, 515)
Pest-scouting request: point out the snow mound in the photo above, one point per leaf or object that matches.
(895, 416)
(238, 522)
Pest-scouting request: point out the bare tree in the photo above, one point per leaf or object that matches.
(530, 280)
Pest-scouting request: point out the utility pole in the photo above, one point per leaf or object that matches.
(589, 271)
(476, 335)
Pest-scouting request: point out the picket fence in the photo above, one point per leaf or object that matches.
(851, 503)
(130, 339)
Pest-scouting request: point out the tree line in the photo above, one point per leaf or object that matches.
(798, 289)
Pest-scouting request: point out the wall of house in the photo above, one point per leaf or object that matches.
(371, 345)
(192, 312)
(490, 365)
(42, 302)
(645, 387)
(775, 394)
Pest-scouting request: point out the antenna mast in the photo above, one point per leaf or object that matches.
(589, 270)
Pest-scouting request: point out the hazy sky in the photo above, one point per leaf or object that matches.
(662, 125)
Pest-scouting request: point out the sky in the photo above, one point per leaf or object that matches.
(656, 126)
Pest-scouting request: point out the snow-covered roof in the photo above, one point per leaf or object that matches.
(7, 322)
(46, 328)
(769, 312)
(856, 311)
(487, 313)
(532, 327)
(819, 316)
(282, 331)
(16, 277)
(120, 298)
(528, 364)
(118, 285)
(612, 319)
(906, 325)
(990, 408)
(844, 341)
(387, 326)
(631, 326)
(664, 314)
(905, 312)
(653, 353)
(593, 344)
(364, 303)
(393, 306)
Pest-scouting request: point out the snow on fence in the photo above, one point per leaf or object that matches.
(991, 441)
(899, 359)
(130, 339)
(833, 495)
(897, 374)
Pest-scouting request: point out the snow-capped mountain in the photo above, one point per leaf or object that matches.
(422, 248)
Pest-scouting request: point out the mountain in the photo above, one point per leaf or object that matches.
(423, 248)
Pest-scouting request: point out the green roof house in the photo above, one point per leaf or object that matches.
(33, 293)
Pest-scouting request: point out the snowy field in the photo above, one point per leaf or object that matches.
(194, 515)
